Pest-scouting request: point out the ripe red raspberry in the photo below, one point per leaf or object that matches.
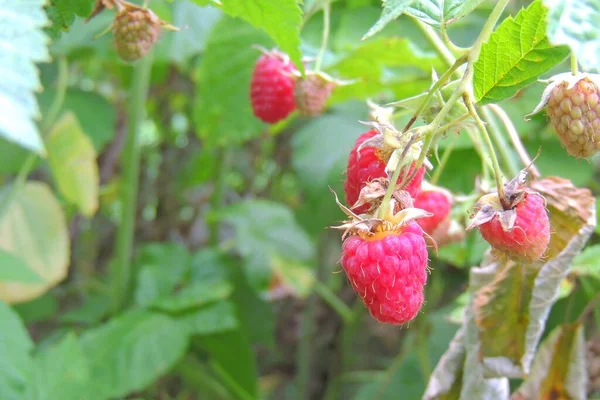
(437, 202)
(388, 270)
(311, 94)
(366, 165)
(522, 232)
(135, 31)
(272, 87)
(574, 111)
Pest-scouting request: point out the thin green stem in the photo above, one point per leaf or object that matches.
(487, 30)
(486, 166)
(442, 164)
(515, 139)
(324, 38)
(501, 144)
(574, 68)
(333, 301)
(120, 270)
(434, 89)
(384, 209)
(450, 44)
(491, 150)
(436, 41)
(216, 201)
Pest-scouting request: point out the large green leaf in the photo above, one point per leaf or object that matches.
(215, 318)
(34, 229)
(72, 159)
(131, 351)
(575, 23)
(22, 44)
(224, 84)
(281, 19)
(442, 12)
(15, 360)
(517, 53)
(14, 269)
(392, 9)
(194, 295)
(60, 372)
(588, 262)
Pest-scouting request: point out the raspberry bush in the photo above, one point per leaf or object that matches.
(259, 199)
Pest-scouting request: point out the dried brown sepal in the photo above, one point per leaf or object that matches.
(373, 194)
(491, 205)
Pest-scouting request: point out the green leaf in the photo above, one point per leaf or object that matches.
(224, 84)
(194, 295)
(392, 9)
(62, 14)
(90, 312)
(72, 159)
(161, 267)
(575, 23)
(14, 269)
(39, 309)
(442, 12)
(517, 53)
(15, 361)
(232, 358)
(281, 19)
(559, 368)
(370, 63)
(265, 228)
(131, 351)
(23, 44)
(96, 115)
(588, 262)
(215, 318)
(34, 229)
(60, 372)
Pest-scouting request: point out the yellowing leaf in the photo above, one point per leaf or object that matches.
(72, 159)
(34, 229)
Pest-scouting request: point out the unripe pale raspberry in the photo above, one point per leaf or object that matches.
(574, 110)
(135, 31)
(366, 164)
(388, 271)
(437, 202)
(311, 94)
(272, 87)
(529, 236)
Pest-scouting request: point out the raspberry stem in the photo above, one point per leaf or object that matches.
(324, 38)
(501, 144)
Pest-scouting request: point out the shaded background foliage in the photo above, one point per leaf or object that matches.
(236, 291)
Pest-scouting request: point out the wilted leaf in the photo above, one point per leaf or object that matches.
(513, 300)
(72, 159)
(575, 23)
(15, 360)
(34, 229)
(23, 44)
(517, 53)
(60, 372)
(131, 351)
(442, 12)
(559, 369)
(446, 379)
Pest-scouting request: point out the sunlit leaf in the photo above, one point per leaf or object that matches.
(442, 12)
(516, 54)
(72, 159)
(23, 44)
(392, 9)
(34, 229)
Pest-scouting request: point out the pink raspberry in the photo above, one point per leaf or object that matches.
(272, 87)
(366, 165)
(436, 202)
(528, 238)
(388, 270)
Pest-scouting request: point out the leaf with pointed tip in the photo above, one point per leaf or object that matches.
(575, 23)
(392, 9)
(442, 12)
(559, 367)
(23, 44)
(516, 54)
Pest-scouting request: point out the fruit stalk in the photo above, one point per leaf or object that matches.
(120, 272)
(325, 37)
